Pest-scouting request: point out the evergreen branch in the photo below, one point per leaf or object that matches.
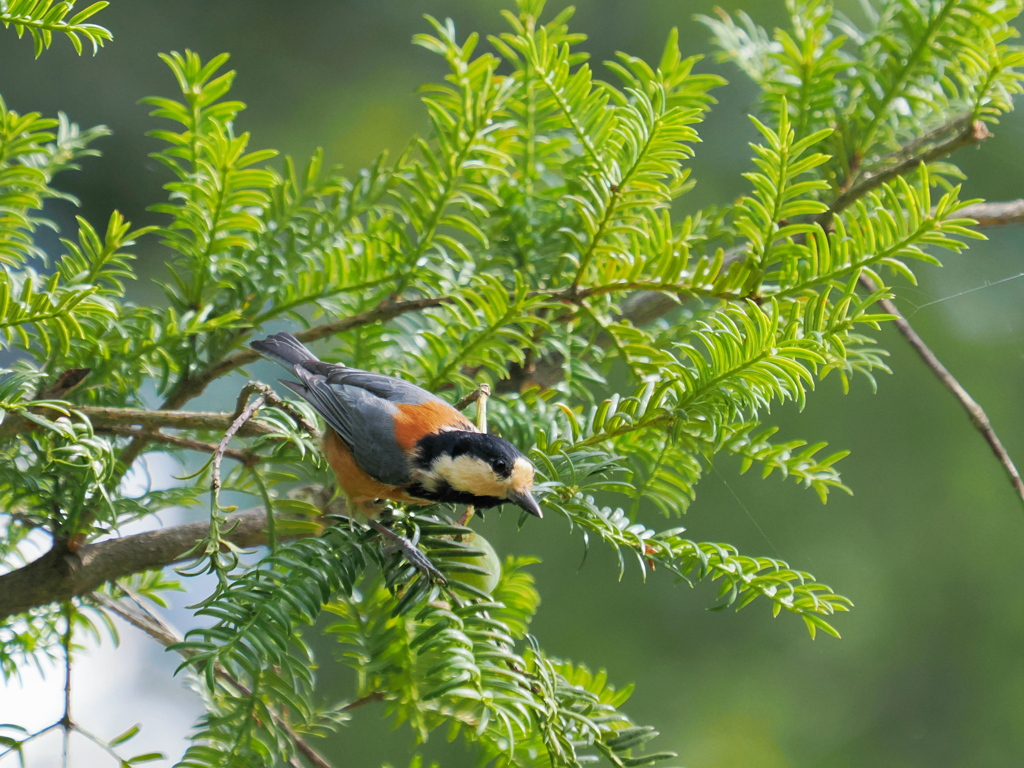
(196, 384)
(889, 226)
(651, 302)
(462, 119)
(632, 312)
(568, 111)
(743, 578)
(319, 295)
(766, 216)
(148, 621)
(41, 18)
(906, 67)
(974, 411)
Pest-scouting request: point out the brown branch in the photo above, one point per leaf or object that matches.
(65, 382)
(203, 420)
(974, 411)
(369, 698)
(271, 398)
(995, 214)
(148, 420)
(61, 574)
(935, 136)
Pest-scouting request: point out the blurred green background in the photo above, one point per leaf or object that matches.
(930, 670)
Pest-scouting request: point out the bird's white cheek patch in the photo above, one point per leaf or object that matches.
(469, 474)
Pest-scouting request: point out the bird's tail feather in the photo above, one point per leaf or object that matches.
(284, 349)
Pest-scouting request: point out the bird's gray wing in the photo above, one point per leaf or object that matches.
(387, 387)
(363, 421)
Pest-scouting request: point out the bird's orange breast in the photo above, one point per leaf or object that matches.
(357, 485)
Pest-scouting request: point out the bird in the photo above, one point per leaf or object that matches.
(389, 440)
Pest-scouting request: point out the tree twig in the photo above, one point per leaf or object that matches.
(480, 394)
(971, 132)
(66, 723)
(364, 700)
(974, 411)
(240, 420)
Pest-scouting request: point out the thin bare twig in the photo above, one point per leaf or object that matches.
(369, 698)
(974, 411)
(244, 414)
(934, 137)
(275, 401)
(240, 420)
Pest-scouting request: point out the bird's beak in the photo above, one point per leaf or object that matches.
(525, 501)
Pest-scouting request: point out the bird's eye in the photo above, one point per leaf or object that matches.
(500, 466)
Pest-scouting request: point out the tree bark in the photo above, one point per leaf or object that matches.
(63, 573)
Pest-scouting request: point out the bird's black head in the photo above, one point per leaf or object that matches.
(473, 468)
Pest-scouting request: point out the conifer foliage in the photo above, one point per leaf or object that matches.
(533, 241)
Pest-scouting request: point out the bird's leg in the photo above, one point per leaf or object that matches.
(409, 549)
(386, 516)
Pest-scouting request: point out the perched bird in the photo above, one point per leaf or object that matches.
(389, 440)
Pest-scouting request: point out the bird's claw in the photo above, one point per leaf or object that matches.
(412, 553)
(420, 561)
